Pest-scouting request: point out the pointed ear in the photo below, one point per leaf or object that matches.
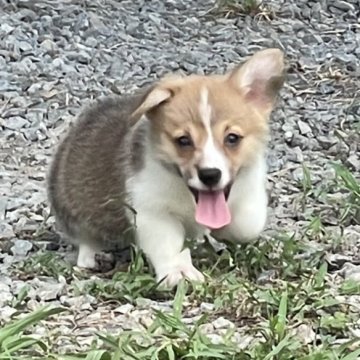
(261, 78)
(153, 98)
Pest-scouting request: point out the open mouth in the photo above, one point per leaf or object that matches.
(195, 192)
(212, 209)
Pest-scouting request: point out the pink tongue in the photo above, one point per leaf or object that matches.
(212, 209)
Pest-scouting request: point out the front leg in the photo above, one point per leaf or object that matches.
(161, 237)
(248, 221)
(248, 206)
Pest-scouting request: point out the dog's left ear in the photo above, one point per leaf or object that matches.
(260, 78)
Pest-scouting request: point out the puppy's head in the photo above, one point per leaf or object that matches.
(210, 127)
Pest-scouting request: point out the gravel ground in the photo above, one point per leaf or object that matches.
(56, 56)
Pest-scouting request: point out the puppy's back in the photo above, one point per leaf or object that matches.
(86, 183)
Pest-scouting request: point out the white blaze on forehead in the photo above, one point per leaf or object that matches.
(205, 108)
(212, 155)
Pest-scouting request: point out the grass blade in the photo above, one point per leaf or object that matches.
(278, 348)
(19, 325)
(170, 352)
(281, 317)
(179, 298)
(98, 355)
(320, 275)
(352, 356)
(14, 343)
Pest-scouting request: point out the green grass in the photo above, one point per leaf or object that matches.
(347, 184)
(341, 194)
(300, 293)
(236, 8)
(279, 294)
(45, 263)
(12, 338)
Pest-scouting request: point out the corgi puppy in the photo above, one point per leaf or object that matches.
(182, 159)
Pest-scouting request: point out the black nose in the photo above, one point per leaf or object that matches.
(209, 176)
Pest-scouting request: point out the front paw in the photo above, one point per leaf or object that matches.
(174, 275)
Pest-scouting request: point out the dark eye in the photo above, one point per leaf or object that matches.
(184, 141)
(232, 139)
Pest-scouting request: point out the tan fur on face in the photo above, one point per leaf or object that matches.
(239, 103)
(230, 114)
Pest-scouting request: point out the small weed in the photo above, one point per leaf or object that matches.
(306, 185)
(21, 296)
(348, 184)
(46, 264)
(316, 230)
(123, 286)
(337, 202)
(233, 8)
(170, 338)
(350, 287)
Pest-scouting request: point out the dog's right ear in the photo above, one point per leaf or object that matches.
(154, 97)
(157, 95)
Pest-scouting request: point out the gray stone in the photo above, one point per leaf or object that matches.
(354, 162)
(124, 309)
(25, 46)
(298, 174)
(26, 14)
(222, 323)
(6, 28)
(326, 141)
(304, 128)
(266, 276)
(15, 203)
(143, 302)
(15, 123)
(98, 25)
(83, 301)
(207, 307)
(343, 5)
(274, 163)
(81, 56)
(6, 312)
(288, 136)
(351, 272)
(48, 292)
(21, 247)
(49, 46)
(5, 294)
(304, 333)
(216, 339)
(296, 155)
(301, 141)
(4, 85)
(339, 148)
(3, 206)
(206, 328)
(6, 231)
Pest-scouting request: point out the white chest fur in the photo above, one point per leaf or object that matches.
(155, 189)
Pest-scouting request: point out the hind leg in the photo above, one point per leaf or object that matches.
(95, 258)
(86, 255)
